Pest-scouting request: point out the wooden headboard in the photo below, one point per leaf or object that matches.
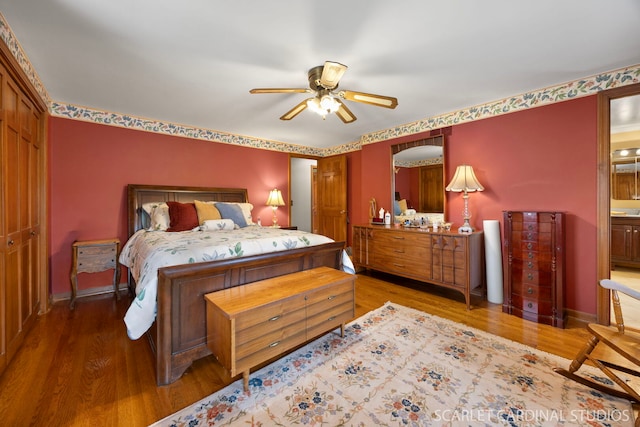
(137, 195)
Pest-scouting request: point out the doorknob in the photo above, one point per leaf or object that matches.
(343, 212)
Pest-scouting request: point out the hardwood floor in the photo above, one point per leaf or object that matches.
(79, 367)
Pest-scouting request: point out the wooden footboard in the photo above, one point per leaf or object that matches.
(178, 336)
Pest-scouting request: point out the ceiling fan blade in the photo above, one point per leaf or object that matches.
(331, 74)
(295, 110)
(369, 98)
(344, 113)
(279, 90)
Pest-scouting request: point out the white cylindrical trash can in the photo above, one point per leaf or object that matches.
(493, 257)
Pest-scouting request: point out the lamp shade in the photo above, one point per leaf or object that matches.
(275, 198)
(464, 180)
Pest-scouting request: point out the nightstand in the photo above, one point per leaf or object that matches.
(93, 256)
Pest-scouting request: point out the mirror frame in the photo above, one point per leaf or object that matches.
(437, 140)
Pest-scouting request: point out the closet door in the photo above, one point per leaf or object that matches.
(15, 281)
(29, 201)
(3, 233)
(23, 260)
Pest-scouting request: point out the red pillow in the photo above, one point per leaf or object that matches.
(183, 216)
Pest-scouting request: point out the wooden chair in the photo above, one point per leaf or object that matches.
(623, 342)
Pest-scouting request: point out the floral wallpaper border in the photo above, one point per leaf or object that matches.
(563, 92)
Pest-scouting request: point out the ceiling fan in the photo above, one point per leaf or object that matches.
(323, 82)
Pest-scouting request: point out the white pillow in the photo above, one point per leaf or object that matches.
(217, 225)
(159, 215)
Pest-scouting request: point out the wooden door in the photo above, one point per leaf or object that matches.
(14, 176)
(431, 196)
(314, 199)
(332, 197)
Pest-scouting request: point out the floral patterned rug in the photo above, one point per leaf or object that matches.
(397, 366)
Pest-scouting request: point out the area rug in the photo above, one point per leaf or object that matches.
(397, 366)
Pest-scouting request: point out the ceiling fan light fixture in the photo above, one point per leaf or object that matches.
(323, 82)
(313, 104)
(329, 104)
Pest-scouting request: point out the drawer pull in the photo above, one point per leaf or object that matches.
(530, 305)
(10, 242)
(274, 318)
(398, 237)
(398, 265)
(530, 255)
(530, 291)
(530, 276)
(529, 246)
(273, 344)
(398, 251)
(331, 318)
(530, 264)
(331, 297)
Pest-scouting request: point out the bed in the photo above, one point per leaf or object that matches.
(178, 334)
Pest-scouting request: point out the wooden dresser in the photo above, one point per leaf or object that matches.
(625, 241)
(533, 262)
(251, 324)
(447, 259)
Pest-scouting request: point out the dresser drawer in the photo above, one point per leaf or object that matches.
(530, 250)
(324, 297)
(278, 322)
(398, 238)
(331, 319)
(269, 350)
(529, 305)
(402, 251)
(529, 291)
(96, 258)
(269, 339)
(274, 310)
(534, 277)
(322, 302)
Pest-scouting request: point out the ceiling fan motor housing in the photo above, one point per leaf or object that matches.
(315, 75)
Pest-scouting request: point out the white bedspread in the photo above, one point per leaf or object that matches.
(147, 251)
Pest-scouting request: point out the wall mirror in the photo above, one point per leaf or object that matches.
(417, 175)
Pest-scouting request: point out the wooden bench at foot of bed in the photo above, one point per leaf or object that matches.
(178, 336)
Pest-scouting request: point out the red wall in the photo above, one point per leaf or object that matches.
(91, 165)
(539, 159)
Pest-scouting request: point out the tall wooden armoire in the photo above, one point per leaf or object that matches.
(534, 266)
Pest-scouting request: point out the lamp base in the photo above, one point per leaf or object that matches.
(465, 229)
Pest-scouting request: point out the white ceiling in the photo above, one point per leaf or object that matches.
(193, 62)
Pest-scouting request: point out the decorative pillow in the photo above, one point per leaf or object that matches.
(217, 225)
(233, 212)
(206, 211)
(183, 216)
(158, 214)
(246, 211)
(403, 205)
